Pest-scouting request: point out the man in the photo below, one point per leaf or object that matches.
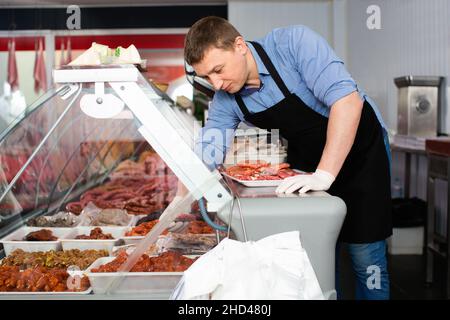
(293, 81)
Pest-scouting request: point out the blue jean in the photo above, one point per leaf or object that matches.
(369, 265)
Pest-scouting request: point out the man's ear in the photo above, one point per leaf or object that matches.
(240, 45)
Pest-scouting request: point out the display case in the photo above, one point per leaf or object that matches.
(103, 140)
(106, 141)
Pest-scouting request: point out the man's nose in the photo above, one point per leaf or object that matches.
(216, 82)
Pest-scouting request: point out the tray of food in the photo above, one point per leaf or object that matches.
(32, 239)
(151, 274)
(135, 234)
(81, 259)
(93, 238)
(260, 173)
(60, 220)
(42, 281)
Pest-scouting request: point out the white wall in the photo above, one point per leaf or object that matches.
(414, 39)
(254, 19)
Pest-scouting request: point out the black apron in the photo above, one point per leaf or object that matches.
(364, 180)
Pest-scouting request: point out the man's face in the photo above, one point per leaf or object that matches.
(224, 69)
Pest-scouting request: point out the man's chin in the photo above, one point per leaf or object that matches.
(232, 90)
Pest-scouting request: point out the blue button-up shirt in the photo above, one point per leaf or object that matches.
(308, 66)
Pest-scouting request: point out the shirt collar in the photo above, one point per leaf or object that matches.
(260, 65)
(261, 70)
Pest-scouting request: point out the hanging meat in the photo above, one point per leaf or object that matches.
(40, 74)
(13, 76)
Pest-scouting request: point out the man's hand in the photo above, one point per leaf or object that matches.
(318, 181)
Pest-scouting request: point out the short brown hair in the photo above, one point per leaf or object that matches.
(207, 32)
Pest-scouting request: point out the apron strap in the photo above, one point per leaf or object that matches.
(242, 105)
(271, 68)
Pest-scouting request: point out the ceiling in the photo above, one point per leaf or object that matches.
(109, 3)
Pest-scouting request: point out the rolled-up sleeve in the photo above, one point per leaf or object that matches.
(323, 72)
(215, 137)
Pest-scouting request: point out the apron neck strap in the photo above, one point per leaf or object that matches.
(271, 68)
(241, 105)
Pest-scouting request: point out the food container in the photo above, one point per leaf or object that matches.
(132, 282)
(131, 239)
(259, 183)
(14, 240)
(85, 244)
(40, 293)
(12, 293)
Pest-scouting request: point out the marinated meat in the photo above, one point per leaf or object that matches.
(142, 229)
(53, 259)
(136, 195)
(41, 235)
(199, 227)
(38, 279)
(166, 262)
(96, 234)
(253, 164)
(260, 171)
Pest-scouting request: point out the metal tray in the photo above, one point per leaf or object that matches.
(83, 244)
(132, 282)
(10, 244)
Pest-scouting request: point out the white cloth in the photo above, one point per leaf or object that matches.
(276, 267)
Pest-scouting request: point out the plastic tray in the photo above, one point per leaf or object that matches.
(259, 183)
(87, 291)
(132, 282)
(9, 243)
(133, 239)
(82, 244)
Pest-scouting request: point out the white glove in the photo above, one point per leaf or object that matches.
(319, 180)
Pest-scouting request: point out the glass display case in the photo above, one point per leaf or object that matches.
(86, 174)
(104, 139)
